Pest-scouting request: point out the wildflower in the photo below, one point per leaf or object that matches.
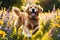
(52, 31)
(57, 17)
(52, 21)
(2, 33)
(56, 25)
(1, 22)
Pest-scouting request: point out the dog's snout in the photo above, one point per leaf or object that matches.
(33, 10)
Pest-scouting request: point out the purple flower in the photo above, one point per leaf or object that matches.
(4, 21)
(52, 31)
(8, 29)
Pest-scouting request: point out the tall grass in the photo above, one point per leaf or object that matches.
(49, 28)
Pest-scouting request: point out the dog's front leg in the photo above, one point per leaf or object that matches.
(35, 30)
(26, 30)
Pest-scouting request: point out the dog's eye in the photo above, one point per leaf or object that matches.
(30, 7)
(35, 7)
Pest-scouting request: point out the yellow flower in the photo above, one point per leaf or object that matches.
(1, 22)
(52, 21)
(57, 17)
(46, 36)
(2, 33)
(56, 25)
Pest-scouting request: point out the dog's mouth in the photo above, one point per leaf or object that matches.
(33, 13)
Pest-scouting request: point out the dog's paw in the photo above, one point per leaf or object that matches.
(29, 36)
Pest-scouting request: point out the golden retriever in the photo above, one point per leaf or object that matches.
(30, 19)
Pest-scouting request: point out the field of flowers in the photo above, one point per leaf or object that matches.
(49, 27)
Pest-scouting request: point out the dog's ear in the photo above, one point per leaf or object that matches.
(40, 9)
(16, 10)
(27, 8)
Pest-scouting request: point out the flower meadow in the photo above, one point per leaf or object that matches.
(49, 27)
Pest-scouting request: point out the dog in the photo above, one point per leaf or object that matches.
(30, 19)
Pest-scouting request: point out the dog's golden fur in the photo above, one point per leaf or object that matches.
(28, 20)
(31, 23)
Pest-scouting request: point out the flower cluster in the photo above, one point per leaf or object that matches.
(49, 27)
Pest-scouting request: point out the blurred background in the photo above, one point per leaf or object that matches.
(46, 4)
(49, 20)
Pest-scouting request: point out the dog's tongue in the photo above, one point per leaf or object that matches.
(33, 14)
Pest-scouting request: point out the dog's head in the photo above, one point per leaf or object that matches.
(34, 10)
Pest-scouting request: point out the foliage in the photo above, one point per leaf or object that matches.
(10, 3)
(56, 34)
(49, 30)
(48, 4)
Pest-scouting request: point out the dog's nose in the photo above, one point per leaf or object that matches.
(33, 10)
